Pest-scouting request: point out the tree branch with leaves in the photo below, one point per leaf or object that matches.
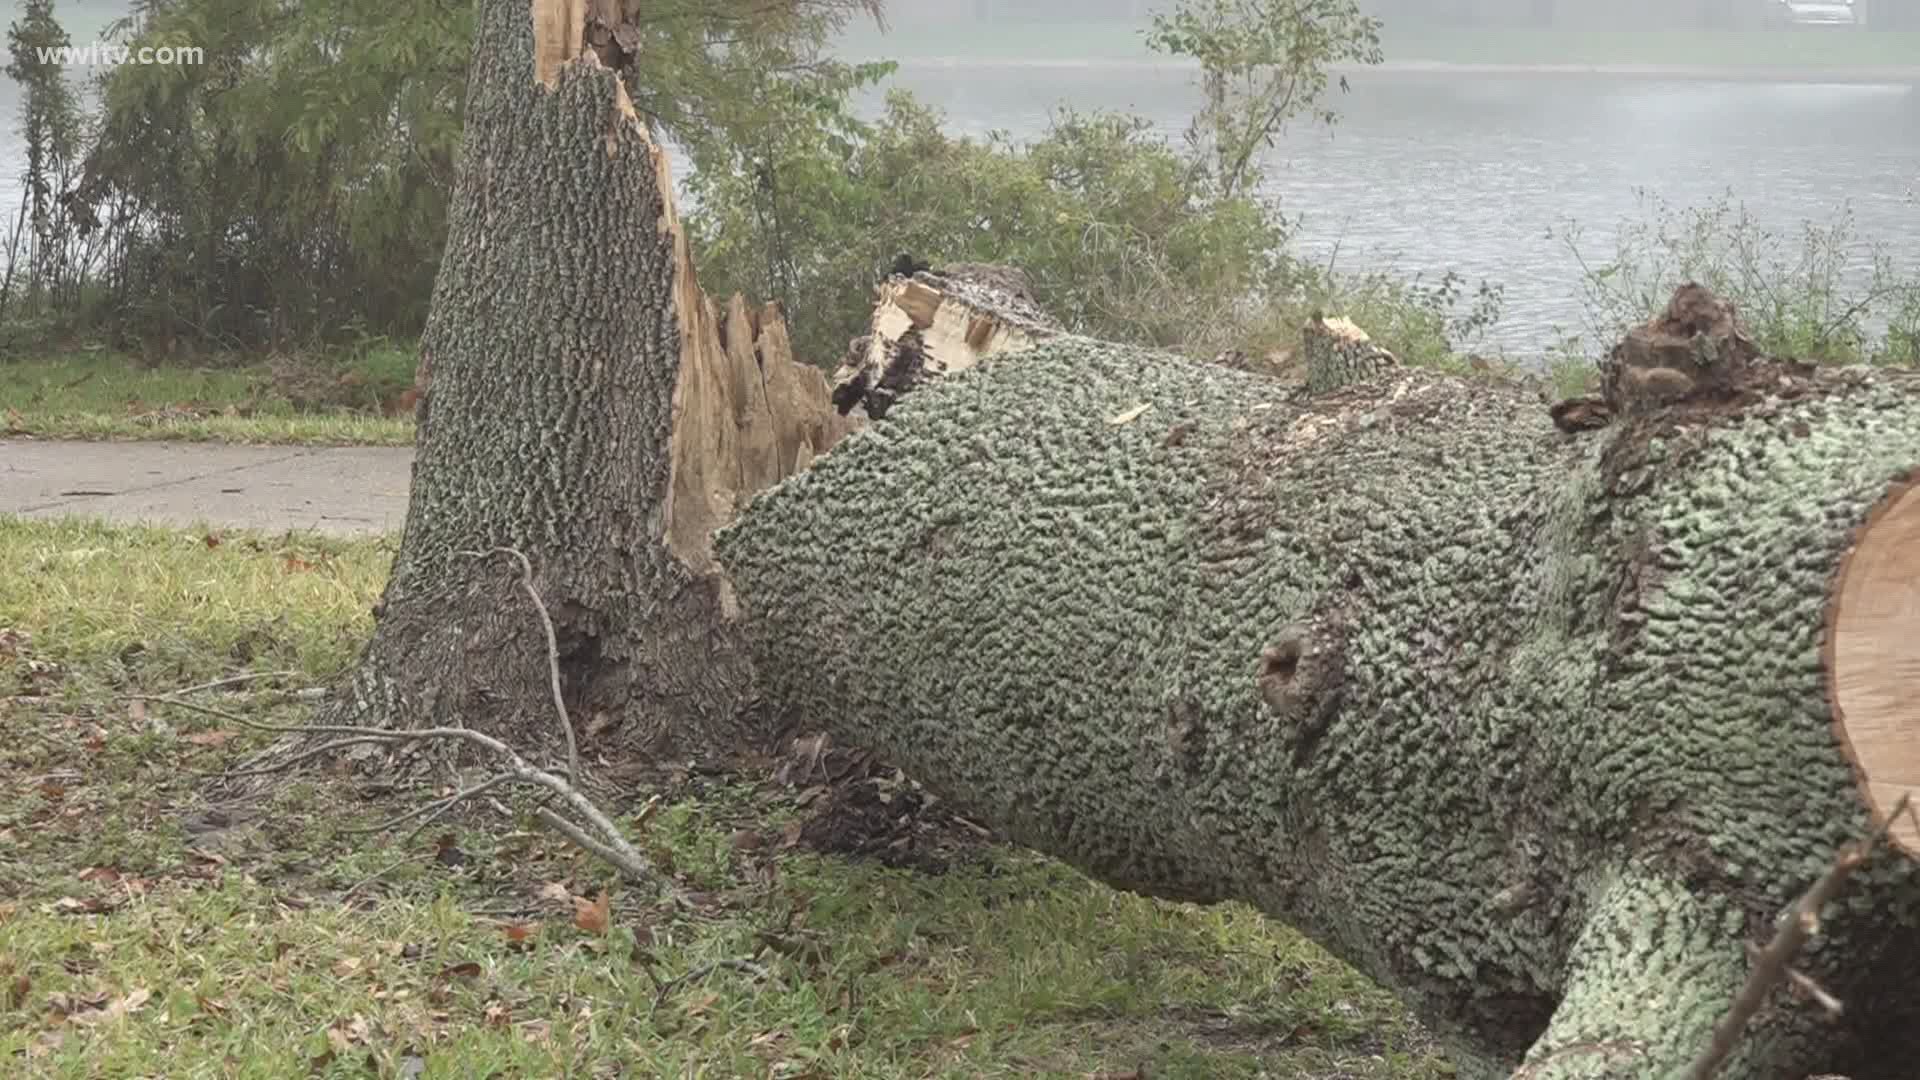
(1263, 63)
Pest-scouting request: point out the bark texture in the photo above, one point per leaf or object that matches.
(586, 404)
(1533, 726)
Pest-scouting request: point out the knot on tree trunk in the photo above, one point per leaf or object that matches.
(1696, 347)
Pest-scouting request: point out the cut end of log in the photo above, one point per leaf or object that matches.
(1873, 658)
(1343, 329)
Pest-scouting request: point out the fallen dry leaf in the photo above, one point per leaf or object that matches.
(1130, 415)
(517, 933)
(104, 874)
(342, 1035)
(46, 1043)
(592, 917)
(347, 967)
(460, 971)
(92, 905)
(537, 1032)
(65, 1005)
(209, 738)
(115, 1010)
(555, 891)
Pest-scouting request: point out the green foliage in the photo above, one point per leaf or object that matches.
(1425, 323)
(1124, 236)
(294, 182)
(1099, 212)
(1821, 293)
(51, 131)
(1262, 63)
(296, 185)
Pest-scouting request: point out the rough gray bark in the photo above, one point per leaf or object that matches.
(587, 405)
(1539, 729)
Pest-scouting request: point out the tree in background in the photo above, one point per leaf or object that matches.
(1263, 63)
(296, 185)
(50, 130)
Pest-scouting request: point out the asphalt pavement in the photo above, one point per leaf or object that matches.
(332, 489)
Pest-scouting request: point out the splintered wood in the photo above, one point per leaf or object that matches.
(951, 319)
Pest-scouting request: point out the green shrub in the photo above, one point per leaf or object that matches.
(1820, 293)
(1099, 212)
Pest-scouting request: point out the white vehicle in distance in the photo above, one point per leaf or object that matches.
(1820, 12)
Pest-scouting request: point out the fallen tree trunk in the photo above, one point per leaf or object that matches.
(1540, 729)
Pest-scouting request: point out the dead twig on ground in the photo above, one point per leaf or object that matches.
(583, 823)
(600, 835)
(746, 966)
(375, 876)
(234, 680)
(1771, 964)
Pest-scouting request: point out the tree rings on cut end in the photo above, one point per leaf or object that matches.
(1873, 658)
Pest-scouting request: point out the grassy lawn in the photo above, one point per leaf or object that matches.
(104, 395)
(1110, 41)
(145, 932)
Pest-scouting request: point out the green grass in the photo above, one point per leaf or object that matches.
(140, 934)
(1121, 41)
(104, 395)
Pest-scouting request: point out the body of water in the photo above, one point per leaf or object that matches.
(1428, 172)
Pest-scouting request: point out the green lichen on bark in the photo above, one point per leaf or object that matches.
(1519, 665)
(1650, 949)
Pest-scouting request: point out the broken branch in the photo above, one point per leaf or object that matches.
(1771, 965)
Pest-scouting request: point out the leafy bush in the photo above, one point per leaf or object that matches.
(1099, 212)
(295, 187)
(294, 183)
(1124, 235)
(1820, 293)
